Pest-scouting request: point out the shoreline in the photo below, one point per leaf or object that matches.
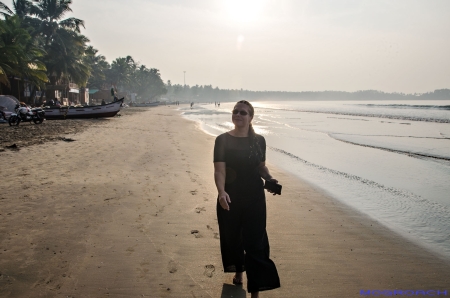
(358, 176)
(429, 247)
(133, 213)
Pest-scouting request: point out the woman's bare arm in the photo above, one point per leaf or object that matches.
(219, 178)
(264, 171)
(265, 174)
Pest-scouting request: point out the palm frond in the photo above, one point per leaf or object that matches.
(4, 78)
(72, 24)
(6, 11)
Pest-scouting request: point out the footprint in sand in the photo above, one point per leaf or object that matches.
(196, 233)
(209, 269)
(130, 250)
(216, 235)
(172, 267)
(200, 209)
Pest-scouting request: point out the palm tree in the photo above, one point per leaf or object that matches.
(64, 59)
(156, 84)
(98, 65)
(121, 71)
(147, 83)
(51, 14)
(6, 51)
(22, 8)
(19, 53)
(64, 44)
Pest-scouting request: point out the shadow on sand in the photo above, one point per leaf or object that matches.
(229, 291)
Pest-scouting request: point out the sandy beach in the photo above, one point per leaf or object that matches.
(128, 209)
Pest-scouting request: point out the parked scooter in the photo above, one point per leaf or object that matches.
(26, 114)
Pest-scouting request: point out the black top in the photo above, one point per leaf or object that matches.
(242, 174)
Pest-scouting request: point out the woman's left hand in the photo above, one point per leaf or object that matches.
(272, 180)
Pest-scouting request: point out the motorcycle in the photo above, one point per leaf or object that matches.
(26, 114)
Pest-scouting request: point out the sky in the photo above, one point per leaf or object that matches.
(284, 45)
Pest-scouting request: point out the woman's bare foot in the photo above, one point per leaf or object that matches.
(255, 295)
(237, 279)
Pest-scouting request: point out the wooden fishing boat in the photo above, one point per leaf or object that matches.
(100, 111)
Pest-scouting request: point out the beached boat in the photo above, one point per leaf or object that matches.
(100, 111)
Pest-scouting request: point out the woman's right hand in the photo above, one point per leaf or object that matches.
(224, 200)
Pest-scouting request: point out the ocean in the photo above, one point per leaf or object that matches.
(387, 159)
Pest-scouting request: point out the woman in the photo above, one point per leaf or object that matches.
(239, 164)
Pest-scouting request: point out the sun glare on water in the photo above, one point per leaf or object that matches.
(244, 11)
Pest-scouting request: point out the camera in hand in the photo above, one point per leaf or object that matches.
(273, 187)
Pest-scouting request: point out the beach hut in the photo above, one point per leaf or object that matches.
(66, 93)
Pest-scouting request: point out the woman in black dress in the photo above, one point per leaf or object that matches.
(239, 164)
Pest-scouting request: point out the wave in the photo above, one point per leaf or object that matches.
(416, 218)
(408, 153)
(204, 112)
(347, 175)
(398, 117)
(406, 106)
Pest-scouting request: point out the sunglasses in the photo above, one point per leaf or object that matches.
(242, 113)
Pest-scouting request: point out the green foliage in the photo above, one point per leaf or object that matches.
(121, 71)
(51, 14)
(39, 44)
(56, 46)
(64, 58)
(147, 83)
(99, 66)
(20, 55)
(22, 8)
(127, 75)
(65, 46)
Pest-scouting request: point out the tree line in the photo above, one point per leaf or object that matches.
(40, 47)
(207, 93)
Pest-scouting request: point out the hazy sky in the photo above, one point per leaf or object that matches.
(286, 45)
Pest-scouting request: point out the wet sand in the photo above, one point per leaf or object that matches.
(127, 209)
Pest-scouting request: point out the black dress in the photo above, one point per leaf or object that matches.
(243, 238)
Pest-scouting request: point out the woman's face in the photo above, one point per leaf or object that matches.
(239, 120)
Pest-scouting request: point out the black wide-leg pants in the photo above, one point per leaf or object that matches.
(244, 243)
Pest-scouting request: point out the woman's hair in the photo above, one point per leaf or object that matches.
(255, 148)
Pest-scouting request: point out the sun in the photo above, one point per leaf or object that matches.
(244, 11)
